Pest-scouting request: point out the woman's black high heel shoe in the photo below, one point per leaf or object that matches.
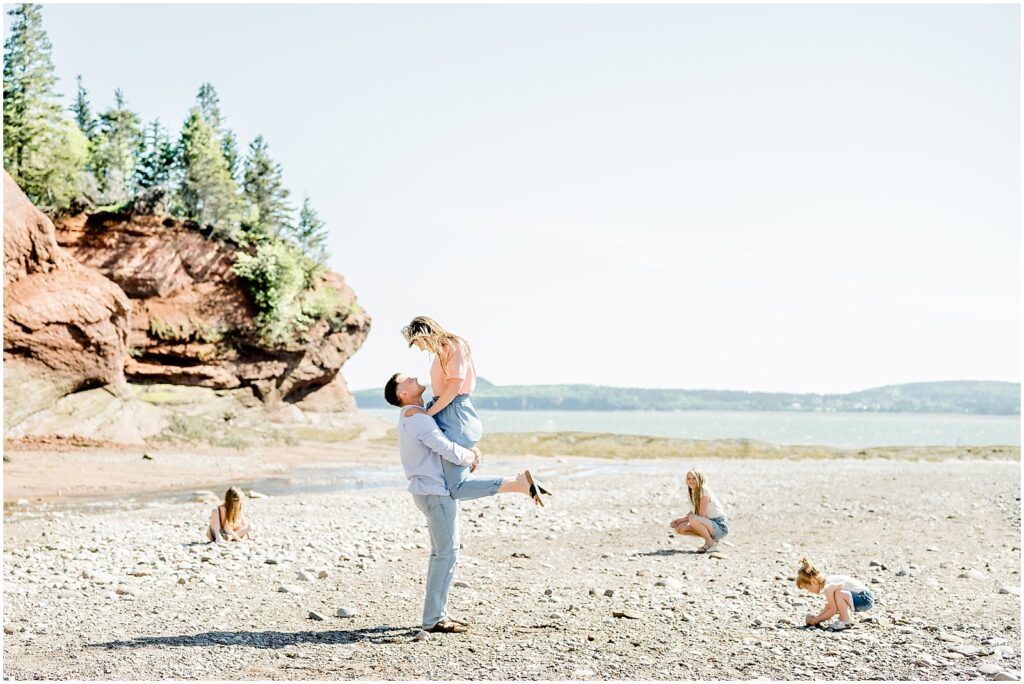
(535, 489)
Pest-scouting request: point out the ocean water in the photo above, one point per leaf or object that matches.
(848, 430)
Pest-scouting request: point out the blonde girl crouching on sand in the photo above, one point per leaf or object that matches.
(843, 595)
(707, 520)
(227, 522)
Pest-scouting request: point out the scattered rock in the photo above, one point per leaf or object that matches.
(972, 575)
(290, 589)
(347, 612)
(716, 554)
(628, 614)
(10, 629)
(669, 583)
(422, 635)
(461, 585)
(304, 576)
(147, 457)
(1010, 590)
(322, 574)
(1006, 676)
(271, 561)
(609, 592)
(313, 615)
(253, 494)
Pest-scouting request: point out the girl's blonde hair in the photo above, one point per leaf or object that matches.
(808, 572)
(436, 339)
(698, 491)
(232, 506)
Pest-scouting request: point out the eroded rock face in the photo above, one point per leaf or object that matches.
(192, 319)
(65, 325)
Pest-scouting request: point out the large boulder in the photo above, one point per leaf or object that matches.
(65, 325)
(193, 319)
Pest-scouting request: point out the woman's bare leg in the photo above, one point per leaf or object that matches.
(517, 484)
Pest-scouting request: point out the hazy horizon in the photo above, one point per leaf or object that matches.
(798, 198)
(424, 379)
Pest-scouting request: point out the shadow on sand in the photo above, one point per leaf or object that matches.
(380, 635)
(669, 552)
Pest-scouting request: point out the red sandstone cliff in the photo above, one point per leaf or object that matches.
(104, 297)
(65, 326)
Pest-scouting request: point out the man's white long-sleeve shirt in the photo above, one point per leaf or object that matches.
(422, 445)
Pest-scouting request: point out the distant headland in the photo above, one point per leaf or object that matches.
(954, 396)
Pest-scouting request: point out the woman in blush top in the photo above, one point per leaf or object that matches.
(453, 380)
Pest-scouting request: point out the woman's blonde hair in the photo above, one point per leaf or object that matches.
(808, 572)
(698, 491)
(232, 506)
(436, 339)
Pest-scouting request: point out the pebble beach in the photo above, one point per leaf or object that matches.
(592, 586)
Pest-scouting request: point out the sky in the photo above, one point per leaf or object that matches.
(780, 198)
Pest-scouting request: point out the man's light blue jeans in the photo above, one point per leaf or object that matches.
(442, 514)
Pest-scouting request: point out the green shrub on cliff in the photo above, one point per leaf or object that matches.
(283, 283)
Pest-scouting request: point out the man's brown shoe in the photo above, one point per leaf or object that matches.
(448, 627)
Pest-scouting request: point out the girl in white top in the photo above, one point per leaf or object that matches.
(707, 520)
(844, 595)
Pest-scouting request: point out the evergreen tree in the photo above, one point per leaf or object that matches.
(209, 107)
(83, 112)
(268, 214)
(310, 233)
(206, 192)
(116, 150)
(156, 159)
(229, 145)
(41, 152)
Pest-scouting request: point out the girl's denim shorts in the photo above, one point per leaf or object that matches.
(719, 527)
(862, 600)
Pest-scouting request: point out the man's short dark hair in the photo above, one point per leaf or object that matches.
(391, 391)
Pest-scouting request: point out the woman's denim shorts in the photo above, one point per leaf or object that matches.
(863, 600)
(719, 527)
(459, 421)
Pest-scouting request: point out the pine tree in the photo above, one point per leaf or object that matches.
(41, 152)
(116, 150)
(229, 145)
(83, 112)
(310, 234)
(156, 158)
(206, 192)
(268, 214)
(209, 107)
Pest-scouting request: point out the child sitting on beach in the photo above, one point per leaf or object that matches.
(843, 595)
(227, 522)
(707, 520)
